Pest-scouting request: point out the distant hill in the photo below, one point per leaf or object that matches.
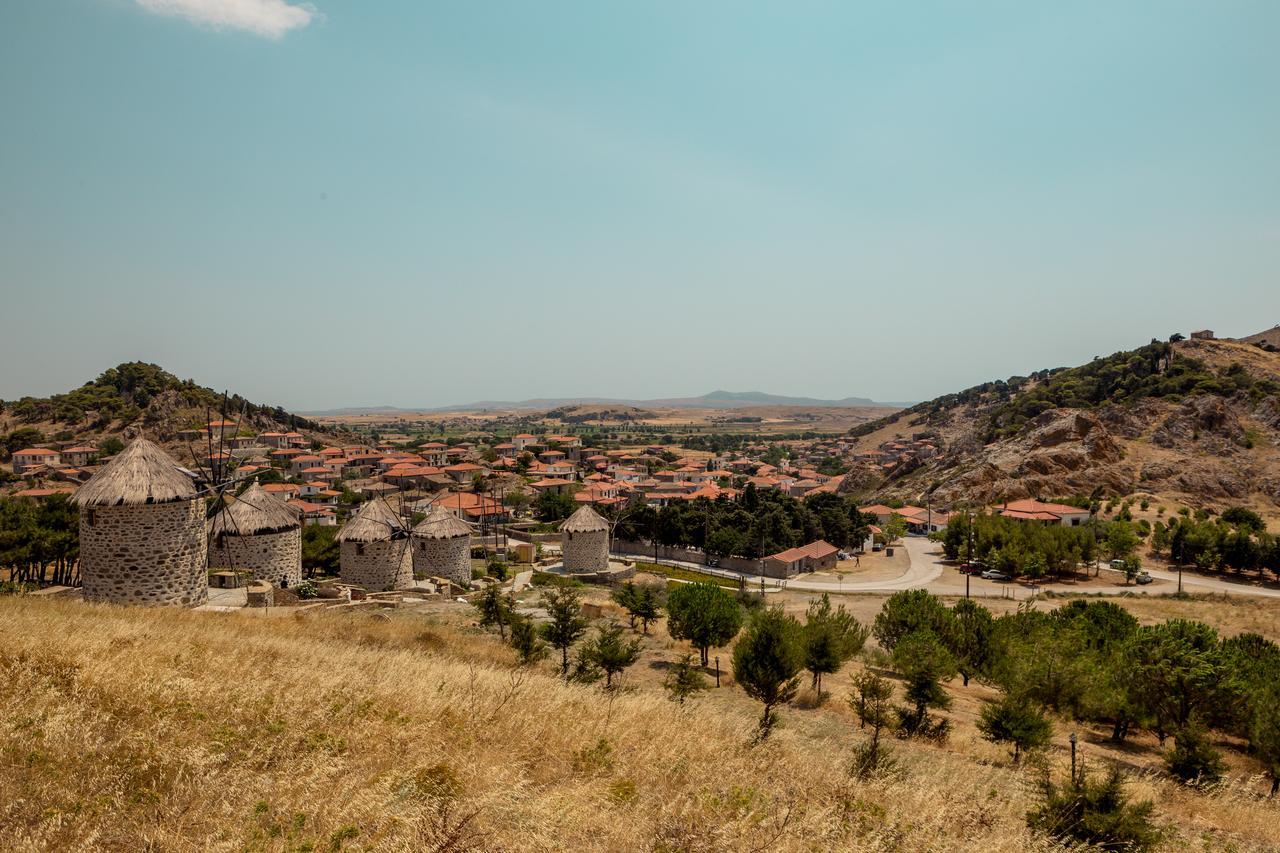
(713, 400)
(134, 398)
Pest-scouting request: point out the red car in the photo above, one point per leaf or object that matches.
(972, 568)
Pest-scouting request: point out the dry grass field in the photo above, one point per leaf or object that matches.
(126, 729)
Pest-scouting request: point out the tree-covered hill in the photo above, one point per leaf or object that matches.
(144, 396)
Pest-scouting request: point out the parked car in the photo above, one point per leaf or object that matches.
(1118, 565)
(877, 547)
(713, 562)
(994, 575)
(971, 568)
(1144, 577)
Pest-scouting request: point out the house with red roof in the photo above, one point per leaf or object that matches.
(814, 557)
(1043, 513)
(32, 456)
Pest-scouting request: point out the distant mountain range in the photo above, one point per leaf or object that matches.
(714, 400)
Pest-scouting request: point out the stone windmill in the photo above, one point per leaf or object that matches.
(584, 539)
(142, 531)
(442, 546)
(374, 548)
(259, 533)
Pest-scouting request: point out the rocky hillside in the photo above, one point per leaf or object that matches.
(132, 399)
(1192, 421)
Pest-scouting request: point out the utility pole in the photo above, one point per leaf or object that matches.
(968, 515)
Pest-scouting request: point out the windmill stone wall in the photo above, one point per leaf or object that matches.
(145, 553)
(272, 557)
(377, 566)
(445, 558)
(587, 551)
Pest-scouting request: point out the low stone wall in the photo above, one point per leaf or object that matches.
(272, 557)
(377, 565)
(644, 551)
(148, 554)
(526, 536)
(259, 594)
(444, 558)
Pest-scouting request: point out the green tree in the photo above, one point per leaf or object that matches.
(683, 679)
(553, 506)
(925, 663)
(766, 661)
(1119, 540)
(495, 609)
(320, 553)
(110, 446)
(969, 637)
(608, 651)
(1244, 518)
(830, 637)
(1193, 759)
(1096, 813)
(1264, 732)
(871, 700)
(893, 529)
(1132, 566)
(567, 624)
(1176, 672)
(705, 614)
(641, 601)
(1016, 721)
(908, 612)
(528, 645)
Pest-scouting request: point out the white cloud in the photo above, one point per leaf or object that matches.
(270, 18)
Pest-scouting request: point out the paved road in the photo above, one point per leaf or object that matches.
(926, 569)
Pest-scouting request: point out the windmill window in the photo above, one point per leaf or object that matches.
(359, 549)
(90, 517)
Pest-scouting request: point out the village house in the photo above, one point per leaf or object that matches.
(555, 485)
(314, 513)
(274, 439)
(78, 455)
(283, 490)
(815, 557)
(33, 456)
(468, 506)
(1045, 513)
(463, 472)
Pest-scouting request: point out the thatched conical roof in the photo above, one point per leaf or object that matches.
(376, 521)
(142, 473)
(585, 520)
(441, 524)
(255, 512)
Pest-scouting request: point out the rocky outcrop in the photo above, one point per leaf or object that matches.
(1268, 412)
(1205, 419)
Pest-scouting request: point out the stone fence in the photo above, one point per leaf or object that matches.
(644, 550)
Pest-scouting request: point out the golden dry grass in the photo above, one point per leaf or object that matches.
(170, 730)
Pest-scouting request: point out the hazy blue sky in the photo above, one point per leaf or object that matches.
(420, 203)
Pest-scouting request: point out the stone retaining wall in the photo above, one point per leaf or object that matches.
(148, 554)
(644, 551)
(377, 565)
(272, 557)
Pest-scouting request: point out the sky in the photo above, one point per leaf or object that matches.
(411, 203)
